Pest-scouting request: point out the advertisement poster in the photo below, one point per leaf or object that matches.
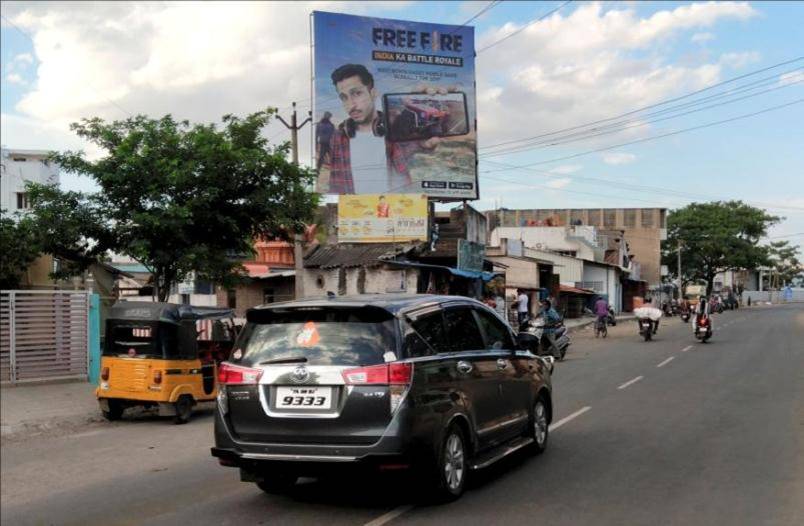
(378, 218)
(394, 107)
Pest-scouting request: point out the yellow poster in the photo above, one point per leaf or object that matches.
(382, 218)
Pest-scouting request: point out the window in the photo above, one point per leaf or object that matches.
(19, 159)
(594, 217)
(497, 334)
(462, 331)
(647, 218)
(201, 286)
(425, 336)
(576, 217)
(185, 299)
(629, 218)
(22, 201)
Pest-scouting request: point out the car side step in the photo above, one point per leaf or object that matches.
(490, 457)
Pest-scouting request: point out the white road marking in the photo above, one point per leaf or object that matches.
(391, 515)
(687, 348)
(629, 382)
(566, 419)
(666, 361)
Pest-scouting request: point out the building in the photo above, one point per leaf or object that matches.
(18, 167)
(643, 228)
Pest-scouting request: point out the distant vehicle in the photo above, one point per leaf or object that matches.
(693, 292)
(431, 384)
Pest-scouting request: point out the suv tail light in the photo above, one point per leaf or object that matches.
(229, 374)
(396, 375)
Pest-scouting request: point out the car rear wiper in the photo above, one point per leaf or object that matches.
(290, 359)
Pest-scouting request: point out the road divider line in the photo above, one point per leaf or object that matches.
(666, 361)
(391, 515)
(687, 348)
(629, 382)
(566, 419)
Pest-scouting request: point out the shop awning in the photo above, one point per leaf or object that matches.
(575, 290)
(469, 274)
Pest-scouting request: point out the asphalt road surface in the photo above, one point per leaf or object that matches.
(665, 432)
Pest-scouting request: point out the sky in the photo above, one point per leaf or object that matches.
(536, 75)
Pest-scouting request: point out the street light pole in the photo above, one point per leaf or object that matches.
(298, 252)
(678, 260)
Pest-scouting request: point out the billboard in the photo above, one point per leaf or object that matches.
(394, 107)
(378, 218)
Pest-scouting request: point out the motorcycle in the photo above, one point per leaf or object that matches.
(611, 319)
(532, 337)
(646, 328)
(703, 328)
(685, 316)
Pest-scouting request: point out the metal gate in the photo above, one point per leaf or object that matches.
(44, 335)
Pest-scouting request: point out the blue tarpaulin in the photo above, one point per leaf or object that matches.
(469, 274)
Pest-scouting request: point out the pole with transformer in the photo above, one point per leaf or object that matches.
(298, 252)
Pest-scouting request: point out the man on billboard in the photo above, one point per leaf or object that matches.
(363, 161)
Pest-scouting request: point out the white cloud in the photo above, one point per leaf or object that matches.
(739, 60)
(617, 158)
(23, 58)
(589, 64)
(791, 78)
(566, 169)
(700, 38)
(15, 78)
(559, 183)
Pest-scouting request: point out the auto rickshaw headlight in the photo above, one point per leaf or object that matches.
(105, 374)
(157, 377)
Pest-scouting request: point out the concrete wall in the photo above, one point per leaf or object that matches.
(520, 272)
(379, 280)
(35, 168)
(569, 270)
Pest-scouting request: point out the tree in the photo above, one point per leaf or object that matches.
(20, 244)
(176, 197)
(716, 237)
(784, 262)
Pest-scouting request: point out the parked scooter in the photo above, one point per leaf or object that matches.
(611, 319)
(703, 327)
(533, 338)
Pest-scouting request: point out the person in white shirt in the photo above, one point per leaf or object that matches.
(521, 306)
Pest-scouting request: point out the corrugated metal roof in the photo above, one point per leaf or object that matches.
(357, 255)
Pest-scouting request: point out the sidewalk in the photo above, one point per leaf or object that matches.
(33, 409)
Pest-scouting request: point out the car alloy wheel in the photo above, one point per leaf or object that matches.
(454, 462)
(540, 424)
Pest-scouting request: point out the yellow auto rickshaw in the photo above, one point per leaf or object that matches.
(164, 355)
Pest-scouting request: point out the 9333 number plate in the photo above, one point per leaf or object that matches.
(304, 398)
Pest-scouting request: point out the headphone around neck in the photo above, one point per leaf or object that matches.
(377, 127)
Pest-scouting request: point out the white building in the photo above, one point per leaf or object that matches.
(18, 167)
(574, 241)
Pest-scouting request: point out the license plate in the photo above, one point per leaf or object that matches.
(304, 398)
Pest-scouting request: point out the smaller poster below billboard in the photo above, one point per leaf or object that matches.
(382, 218)
(470, 255)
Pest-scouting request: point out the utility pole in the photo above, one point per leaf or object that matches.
(298, 252)
(678, 259)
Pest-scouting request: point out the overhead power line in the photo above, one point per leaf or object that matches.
(653, 138)
(626, 125)
(535, 20)
(654, 105)
(490, 5)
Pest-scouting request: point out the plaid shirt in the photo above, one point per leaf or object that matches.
(340, 168)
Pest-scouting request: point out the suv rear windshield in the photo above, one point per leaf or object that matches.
(318, 336)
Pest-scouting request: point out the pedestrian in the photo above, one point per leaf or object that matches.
(521, 306)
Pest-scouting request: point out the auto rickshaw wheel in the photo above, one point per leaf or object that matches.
(115, 411)
(184, 408)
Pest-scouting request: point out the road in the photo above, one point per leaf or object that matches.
(666, 432)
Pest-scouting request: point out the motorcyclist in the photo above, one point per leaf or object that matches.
(702, 309)
(551, 319)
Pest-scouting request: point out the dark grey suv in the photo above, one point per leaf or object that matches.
(431, 384)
